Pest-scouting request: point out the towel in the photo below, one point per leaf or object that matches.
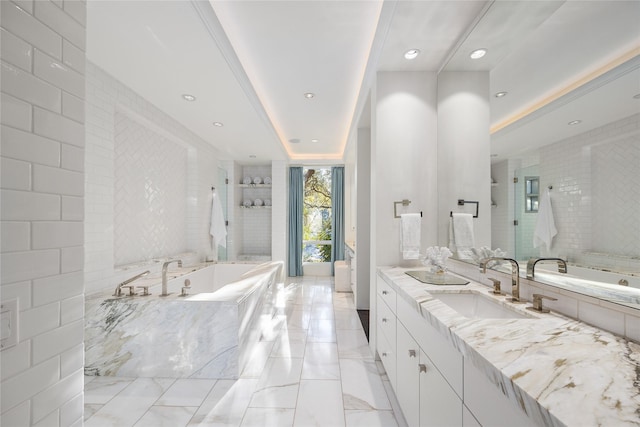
(545, 225)
(218, 229)
(410, 236)
(461, 233)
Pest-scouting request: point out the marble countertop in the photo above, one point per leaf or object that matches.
(559, 370)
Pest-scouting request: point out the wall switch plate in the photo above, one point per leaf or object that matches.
(8, 324)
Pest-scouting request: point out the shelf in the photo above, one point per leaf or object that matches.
(254, 185)
(255, 207)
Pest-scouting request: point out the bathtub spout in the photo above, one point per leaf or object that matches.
(164, 275)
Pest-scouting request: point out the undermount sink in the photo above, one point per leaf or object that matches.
(475, 305)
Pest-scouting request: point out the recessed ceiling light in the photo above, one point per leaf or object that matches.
(500, 94)
(574, 122)
(636, 96)
(294, 140)
(478, 53)
(188, 97)
(309, 95)
(412, 54)
(218, 124)
(315, 140)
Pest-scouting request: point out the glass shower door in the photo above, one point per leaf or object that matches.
(222, 190)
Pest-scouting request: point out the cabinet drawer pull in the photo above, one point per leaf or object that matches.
(384, 354)
(384, 292)
(412, 353)
(384, 320)
(422, 367)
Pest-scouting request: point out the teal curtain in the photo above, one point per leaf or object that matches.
(296, 199)
(337, 216)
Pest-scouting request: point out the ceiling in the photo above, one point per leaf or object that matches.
(249, 64)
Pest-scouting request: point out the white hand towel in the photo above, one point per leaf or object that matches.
(545, 225)
(463, 235)
(218, 228)
(410, 236)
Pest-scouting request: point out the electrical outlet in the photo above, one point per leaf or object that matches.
(8, 324)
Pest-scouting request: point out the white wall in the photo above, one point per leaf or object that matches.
(279, 200)
(43, 144)
(404, 158)
(403, 166)
(107, 99)
(464, 169)
(363, 233)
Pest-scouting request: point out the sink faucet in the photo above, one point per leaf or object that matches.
(531, 265)
(515, 278)
(164, 275)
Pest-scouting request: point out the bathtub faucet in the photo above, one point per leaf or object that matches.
(531, 265)
(164, 275)
(118, 292)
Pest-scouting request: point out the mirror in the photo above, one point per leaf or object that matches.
(575, 133)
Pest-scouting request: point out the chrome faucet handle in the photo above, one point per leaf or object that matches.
(537, 303)
(496, 287)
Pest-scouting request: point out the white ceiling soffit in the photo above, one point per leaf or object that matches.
(576, 44)
(163, 49)
(433, 27)
(291, 48)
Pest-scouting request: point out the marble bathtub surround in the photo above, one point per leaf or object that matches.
(311, 371)
(206, 335)
(550, 366)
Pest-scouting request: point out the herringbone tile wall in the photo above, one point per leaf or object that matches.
(150, 193)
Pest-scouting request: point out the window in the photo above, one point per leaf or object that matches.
(316, 222)
(531, 193)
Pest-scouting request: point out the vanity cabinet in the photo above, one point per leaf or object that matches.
(488, 405)
(425, 396)
(434, 384)
(386, 327)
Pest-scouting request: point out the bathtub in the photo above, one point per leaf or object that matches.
(209, 333)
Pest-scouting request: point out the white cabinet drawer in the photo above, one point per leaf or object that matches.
(387, 293)
(386, 321)
(387, 355)
(440, 351)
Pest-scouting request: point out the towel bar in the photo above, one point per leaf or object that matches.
(404, 202)
(462, 202)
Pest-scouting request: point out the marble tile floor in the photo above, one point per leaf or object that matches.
(312, 368)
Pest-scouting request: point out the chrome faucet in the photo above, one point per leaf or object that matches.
(531, 265)
(164, 275)
(118, 291)
(515, 278)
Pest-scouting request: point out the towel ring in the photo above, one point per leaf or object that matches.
(462, 202)
(404, 202)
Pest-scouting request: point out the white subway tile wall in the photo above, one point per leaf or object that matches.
(108, 104)
(43, 140)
